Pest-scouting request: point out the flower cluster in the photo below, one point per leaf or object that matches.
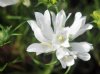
(59, 37)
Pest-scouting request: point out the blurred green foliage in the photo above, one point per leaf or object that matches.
(96, 17)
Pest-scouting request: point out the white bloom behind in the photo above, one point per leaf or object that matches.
(4, 3)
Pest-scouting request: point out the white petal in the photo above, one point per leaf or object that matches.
(65, 43)
(57, 19)
(81, 46)
(61, 52)
(4, 3)
(89, 26)
(78, 15)
(84, 56)
(37, 32)
(83, 29)
(46, 28)
(47, 18)
(44, 22)
(83, 20)
(60, 20)
(38, 48)
(67, 61)
(78, 22)
(39, 18)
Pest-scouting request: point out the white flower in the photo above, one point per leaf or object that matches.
(4, 3)
(50, 39)
(57, 38)
(77, 49)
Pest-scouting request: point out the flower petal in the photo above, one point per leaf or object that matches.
(37, 32)
(39, 19)
(74, 28)
(65, 43)
(60, 20)
(81, 46)
(46, 27)
(4, 3)
(83, 21)
(44, 22)
(84, 29)
(84, 56)
(61, 52)
(47, 18)
(66, 36)
(38, 48)
(67, 61)
(78, 15)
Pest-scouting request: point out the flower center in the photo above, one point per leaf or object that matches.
(60, 38)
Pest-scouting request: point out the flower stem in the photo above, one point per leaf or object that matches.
(50, 66)
(67, 70)
(48, 69)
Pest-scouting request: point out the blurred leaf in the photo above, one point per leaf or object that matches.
(2, 68)
(96, 17)
(7, 32)
(19, 26)
(48, 3)
(15, 34)
(4, 35)
(97, 56)
(53, 1)
(16, 17)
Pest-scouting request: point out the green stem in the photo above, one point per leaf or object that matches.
(48, 69)
(67, 70)
(50, 66)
